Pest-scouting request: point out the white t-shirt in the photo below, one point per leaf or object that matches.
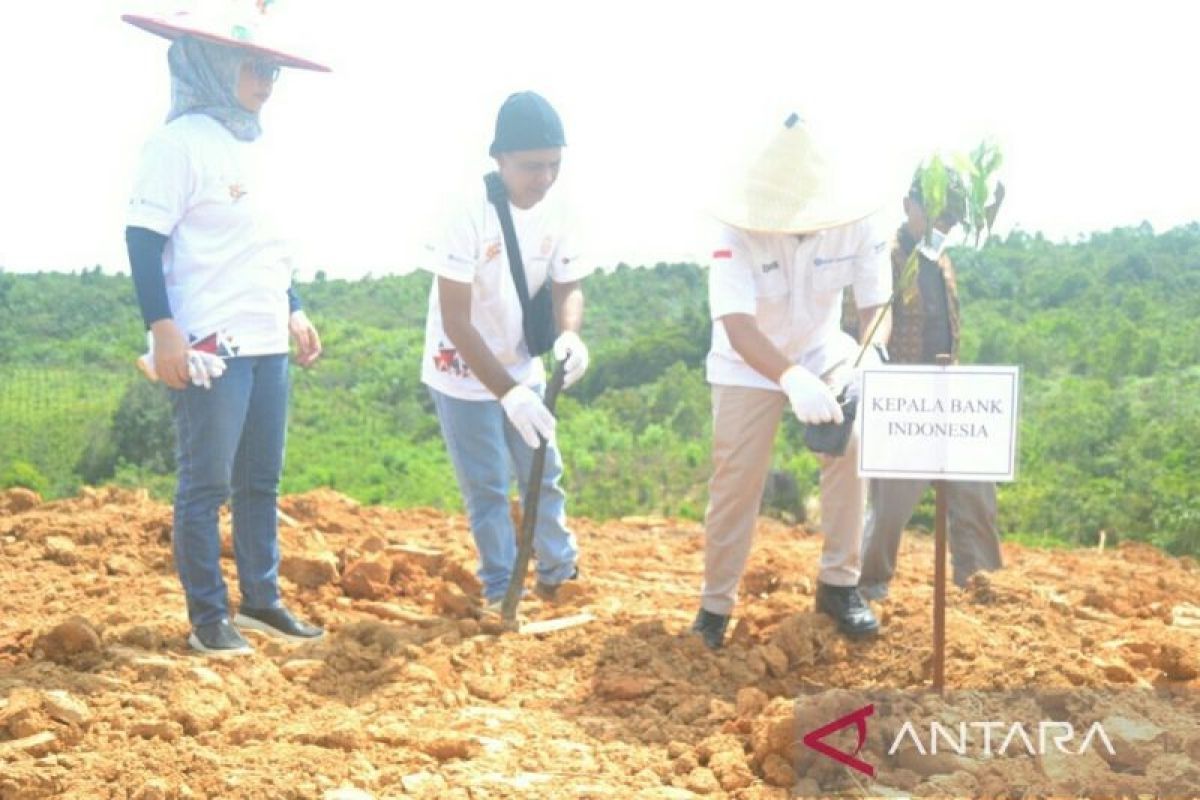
(472, 251)
(227, 271)
(793, 288)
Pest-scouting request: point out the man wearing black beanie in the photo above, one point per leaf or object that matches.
(481, 363)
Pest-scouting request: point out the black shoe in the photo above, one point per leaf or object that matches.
(846, 606)
(873, 592)
(549, 591)
(277, 622)
(219, 639)
(711, 627)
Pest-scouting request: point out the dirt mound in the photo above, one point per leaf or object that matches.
(414, 693)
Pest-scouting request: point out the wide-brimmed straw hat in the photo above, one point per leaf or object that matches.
(237, 23)
(794, 186)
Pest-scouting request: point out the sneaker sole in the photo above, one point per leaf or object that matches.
(197, 645)
(251, 624)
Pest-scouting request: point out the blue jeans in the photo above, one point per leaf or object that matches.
(485, 449)
(230, 440)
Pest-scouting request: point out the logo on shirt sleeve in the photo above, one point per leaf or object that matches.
(722, 254)
(236, 191)
(137, 202)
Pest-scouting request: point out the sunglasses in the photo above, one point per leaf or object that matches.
(267, 70)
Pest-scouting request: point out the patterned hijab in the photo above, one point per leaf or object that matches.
(204, 78)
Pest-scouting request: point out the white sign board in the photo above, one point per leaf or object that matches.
(939, 423)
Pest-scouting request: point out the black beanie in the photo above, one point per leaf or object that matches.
(526, 122)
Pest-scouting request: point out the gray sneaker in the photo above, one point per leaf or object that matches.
(277, 622)
(549, 591)
(219, 639)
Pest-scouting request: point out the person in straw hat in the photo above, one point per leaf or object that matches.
(793, 238)
(213, 284)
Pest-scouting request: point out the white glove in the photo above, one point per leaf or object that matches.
(570, 347)
(529, 415)
(812, 401)
(872, 358)
(204, 368)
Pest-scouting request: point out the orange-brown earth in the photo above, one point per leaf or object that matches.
(414, 693)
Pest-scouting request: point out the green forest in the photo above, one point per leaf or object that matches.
(1104, 329)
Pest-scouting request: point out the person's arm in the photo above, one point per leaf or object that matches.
(569, 266)
(811, 400)
(872, 286)
(455, 299)
(145, 249)
(866, 322)
(308, 341)
(569, 349)
(568, 305)
(754, 347)
(459, 253)
(525, 410)
(170, 345)
(732, 300)
(164, 186)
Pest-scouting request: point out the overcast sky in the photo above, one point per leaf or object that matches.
(1094, 105)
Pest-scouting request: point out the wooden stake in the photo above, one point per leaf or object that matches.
(939, 576)
(939, 589)
(552, 625)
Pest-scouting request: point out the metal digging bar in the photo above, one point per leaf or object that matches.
(529, 510)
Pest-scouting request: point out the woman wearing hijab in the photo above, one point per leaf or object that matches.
(213, 284)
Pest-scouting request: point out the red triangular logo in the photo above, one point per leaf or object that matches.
(859, 720)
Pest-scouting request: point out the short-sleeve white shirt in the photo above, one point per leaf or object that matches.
(227, 270)
(793, 287)
(472, 251)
